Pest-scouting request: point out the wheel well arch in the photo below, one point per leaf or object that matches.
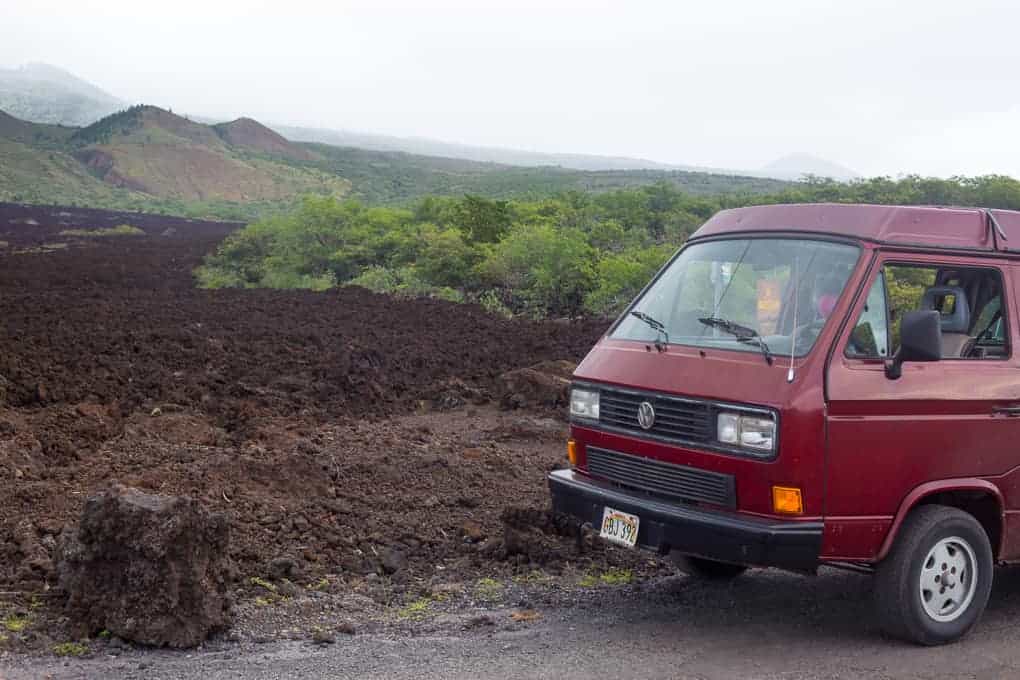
(978, 497)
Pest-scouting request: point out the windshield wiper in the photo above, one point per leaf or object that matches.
(742, 334)
(658, 326)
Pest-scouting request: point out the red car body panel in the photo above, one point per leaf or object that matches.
(864, 449)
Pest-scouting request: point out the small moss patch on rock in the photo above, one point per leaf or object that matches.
(70, 649)
(15, 623)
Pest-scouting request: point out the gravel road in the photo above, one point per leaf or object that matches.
(767, 624)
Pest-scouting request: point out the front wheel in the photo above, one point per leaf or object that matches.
(708, 570)
(934, 584)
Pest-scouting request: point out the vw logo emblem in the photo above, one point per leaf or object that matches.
(645, 415)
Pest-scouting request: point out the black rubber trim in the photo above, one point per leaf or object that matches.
(689, 529)
(670, 480)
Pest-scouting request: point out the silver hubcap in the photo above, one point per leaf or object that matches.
(948, 579)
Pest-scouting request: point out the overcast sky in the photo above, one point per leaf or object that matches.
(881, 87)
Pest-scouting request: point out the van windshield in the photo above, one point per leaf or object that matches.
(713, 293)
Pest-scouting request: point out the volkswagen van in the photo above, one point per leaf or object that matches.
(807, 385)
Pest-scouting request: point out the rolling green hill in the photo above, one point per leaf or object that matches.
(29, 174)
(155, 152)
(148, 158)
(396, 177)
(146, 155)
(38, 134)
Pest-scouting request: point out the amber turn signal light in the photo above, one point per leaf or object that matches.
(572, 451)
(787, 500)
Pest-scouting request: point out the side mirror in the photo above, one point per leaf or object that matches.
(920, 340)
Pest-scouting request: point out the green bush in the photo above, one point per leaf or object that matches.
(70, 649)
(403, 282)
(446, 258)
(574, 253)
(493, 304)
(620, 276)
(543, 270)
(377, 279)
(119, 230)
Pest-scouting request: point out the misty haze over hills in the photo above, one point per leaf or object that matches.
(790, 167)
(795, 165)
(41, 93)
(46, 94)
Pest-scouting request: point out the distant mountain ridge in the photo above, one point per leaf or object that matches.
(422, 146)
(145, 156)
(156, 152)
(798, 165)
(145, 151)
(46, 94)
(790, 167)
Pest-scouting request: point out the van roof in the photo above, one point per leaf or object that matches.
(927, 226)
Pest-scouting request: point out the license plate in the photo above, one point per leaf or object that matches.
(619, 527)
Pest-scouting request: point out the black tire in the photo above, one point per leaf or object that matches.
(708, 570)
(899, 601)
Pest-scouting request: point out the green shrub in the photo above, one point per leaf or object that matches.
(543, 269)
(417, 610)
(493, 304)
(560, 255)
(446, 258)
(14, 623)
(119, 230)
(289, 279)
(70, 649)
(403, 282)
(621, 276)
(377, 279)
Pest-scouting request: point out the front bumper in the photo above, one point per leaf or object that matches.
(691, 530)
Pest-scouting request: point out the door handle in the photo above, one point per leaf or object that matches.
(1008, 411)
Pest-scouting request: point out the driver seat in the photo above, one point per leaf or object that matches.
(956, 323)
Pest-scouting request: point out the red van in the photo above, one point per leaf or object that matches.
(805, 385)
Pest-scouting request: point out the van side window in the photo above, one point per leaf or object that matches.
(990, 323)
(870, 337)
(969, 301)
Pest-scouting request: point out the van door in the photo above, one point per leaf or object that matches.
(953, 418)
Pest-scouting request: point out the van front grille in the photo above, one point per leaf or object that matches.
(683, 420)
(660, 477)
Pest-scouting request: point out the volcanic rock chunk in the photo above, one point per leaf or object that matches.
(544, 384)
(453, 393)
(393, 560)
(323, 637)
(472, 531)
(284, 568)
(36, 564)
(150, 569)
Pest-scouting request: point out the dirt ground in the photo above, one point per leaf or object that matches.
(350, 437)
(766, 625)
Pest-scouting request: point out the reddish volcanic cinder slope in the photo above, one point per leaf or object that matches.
(251, 134)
